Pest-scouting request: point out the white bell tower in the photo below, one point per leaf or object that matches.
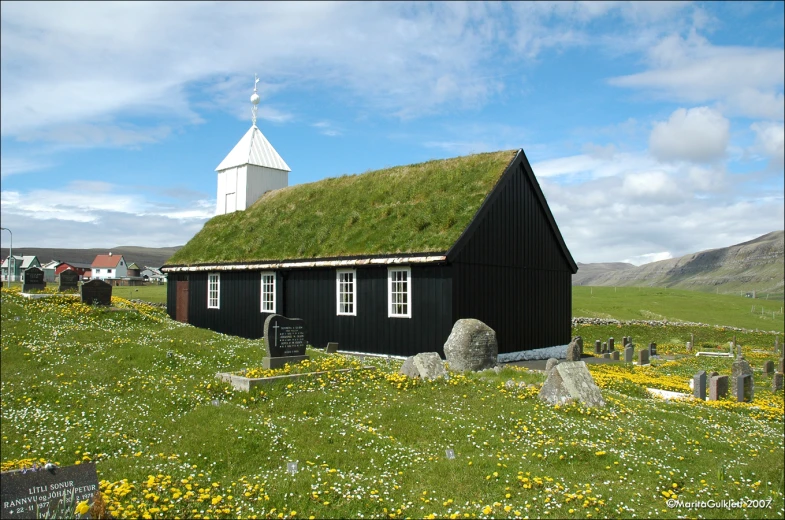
(252, 168)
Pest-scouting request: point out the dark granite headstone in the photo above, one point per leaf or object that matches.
(768, 368)
(643, 357)
(285, 340)
(699, 385)
(22, 490)
(69, 280)
(615, 355)
(718, 387)
(332, 348)
(96, 292)
(652, 349)
(611, 348)
(598, 347)
(34, 279)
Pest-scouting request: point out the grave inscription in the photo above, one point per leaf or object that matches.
(24, 492)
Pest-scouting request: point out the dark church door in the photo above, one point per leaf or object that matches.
(182, 301)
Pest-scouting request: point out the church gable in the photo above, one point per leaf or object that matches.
(420, 208)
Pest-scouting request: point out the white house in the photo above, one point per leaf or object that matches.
(109, 266)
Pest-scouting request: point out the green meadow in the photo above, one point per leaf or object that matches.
(135, 392)
(658, 303)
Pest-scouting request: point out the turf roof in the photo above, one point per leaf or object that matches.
(405, 209)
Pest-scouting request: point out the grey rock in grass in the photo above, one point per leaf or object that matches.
(408, 369)
(429, 365)
(552, 362)
(571, 381)
(471, 346)
(575, 349)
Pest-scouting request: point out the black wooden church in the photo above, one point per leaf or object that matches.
(381, 262)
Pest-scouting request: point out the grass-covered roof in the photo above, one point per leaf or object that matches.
(405, 209)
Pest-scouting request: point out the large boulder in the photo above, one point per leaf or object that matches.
(427, 365)
(571, 381)
(471, 346)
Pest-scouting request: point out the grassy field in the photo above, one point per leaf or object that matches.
(135, 392)
(657, 303)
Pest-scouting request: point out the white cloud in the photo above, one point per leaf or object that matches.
(17, 165)
(699, 134)
(744, 81)
(327, 128)
(770, 141)
(98, 213)
(654, 185)
(648, 258)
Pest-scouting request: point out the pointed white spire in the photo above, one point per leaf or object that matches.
(254, 100)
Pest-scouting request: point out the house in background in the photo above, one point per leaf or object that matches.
(80, 268)
(18, 266)
(49, 270)
(109, 267)
(133, 270)
(153, 275)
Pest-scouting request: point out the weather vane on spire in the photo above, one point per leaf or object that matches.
(254, 100)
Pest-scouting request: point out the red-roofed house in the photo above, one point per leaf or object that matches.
(109, 266)
(80, 269)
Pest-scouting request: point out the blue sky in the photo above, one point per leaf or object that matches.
(655, 129)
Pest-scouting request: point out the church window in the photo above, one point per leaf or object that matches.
(213, 290)
(399, 292)
(268, 292)
(346, 290)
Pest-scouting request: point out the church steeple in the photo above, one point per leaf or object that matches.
(252, 168)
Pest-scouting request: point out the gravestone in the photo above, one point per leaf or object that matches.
(768, 368)
(652, 349)
(429, 365)
(643, 357)
(571, 381)
(744, 388)
(629, 354)
(689, 346)
(782, 366)
(692, 342)
(96, 292)
(624, 341)
(709, 376)
(607, 355)
(22, 490)
(615, 355)
(69, 281)
(331, 348)
(629, 340)
(740, 367)
(718, 387)
(604, 347)
(552, 362)
(610, 345)
(471, 346)
(776, 382)
(34, 279)
(575, 349)
(699, 385)
(598, 347)
(285, 341)
(776, 344)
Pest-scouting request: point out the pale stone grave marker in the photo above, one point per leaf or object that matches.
(744, 388)
(699, 385)
(643, 357)
(471, 346)
(629, 354)
(776, 382)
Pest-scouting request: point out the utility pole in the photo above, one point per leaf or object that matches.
(10, 275)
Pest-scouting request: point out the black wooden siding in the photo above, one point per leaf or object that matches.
(511, 271)
(311, 294)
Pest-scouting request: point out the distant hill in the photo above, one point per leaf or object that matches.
(756, 265)
(142, 256)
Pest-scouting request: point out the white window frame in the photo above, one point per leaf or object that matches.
(262, 292)
(214, 278)
(391, 311)
(341, 284)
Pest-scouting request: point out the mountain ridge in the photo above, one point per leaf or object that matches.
(142, 256)
(754, 265)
